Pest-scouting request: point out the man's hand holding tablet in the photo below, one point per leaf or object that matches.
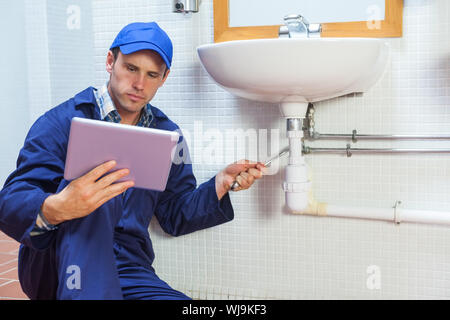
(84, 195)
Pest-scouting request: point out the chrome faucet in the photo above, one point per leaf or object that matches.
(296, 26)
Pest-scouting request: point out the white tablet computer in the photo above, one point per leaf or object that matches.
(146, 152)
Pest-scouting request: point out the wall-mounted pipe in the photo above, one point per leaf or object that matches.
(394, 214)
(349, 151)
(312, 134)
(355, 137)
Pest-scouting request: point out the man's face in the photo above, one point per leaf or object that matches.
(135, 79)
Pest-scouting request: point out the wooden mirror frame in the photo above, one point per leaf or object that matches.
(391, 26)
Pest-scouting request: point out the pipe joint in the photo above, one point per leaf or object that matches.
(296, 187)
(295, 134)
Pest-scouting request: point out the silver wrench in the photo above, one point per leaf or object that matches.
(236, 184)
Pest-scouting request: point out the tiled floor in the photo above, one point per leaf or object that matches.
(9, 283)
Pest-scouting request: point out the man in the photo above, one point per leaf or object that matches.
(88, 238)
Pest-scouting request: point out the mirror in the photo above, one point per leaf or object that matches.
(257, 21)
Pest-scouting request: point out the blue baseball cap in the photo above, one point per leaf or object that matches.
(144, 36)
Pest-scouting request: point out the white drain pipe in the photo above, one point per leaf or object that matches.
(394, 214)
(297, 184)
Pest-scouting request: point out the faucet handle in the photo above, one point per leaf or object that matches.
(296, 18)
(297, 26)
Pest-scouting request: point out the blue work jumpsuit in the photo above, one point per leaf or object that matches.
(107, 254)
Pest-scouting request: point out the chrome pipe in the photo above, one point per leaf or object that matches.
(294, 124)
(350, 151)
(355, 137)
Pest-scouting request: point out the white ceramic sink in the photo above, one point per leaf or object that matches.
(293, 72)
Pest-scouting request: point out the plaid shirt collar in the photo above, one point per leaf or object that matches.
(108, 111)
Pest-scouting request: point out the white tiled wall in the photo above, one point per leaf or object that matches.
(38, 61)
(267, 252)
(70, 47)
(13, 84)
(59, 59)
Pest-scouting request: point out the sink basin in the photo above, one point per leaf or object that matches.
(293, 72)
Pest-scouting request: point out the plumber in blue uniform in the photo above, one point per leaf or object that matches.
(88, 238)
